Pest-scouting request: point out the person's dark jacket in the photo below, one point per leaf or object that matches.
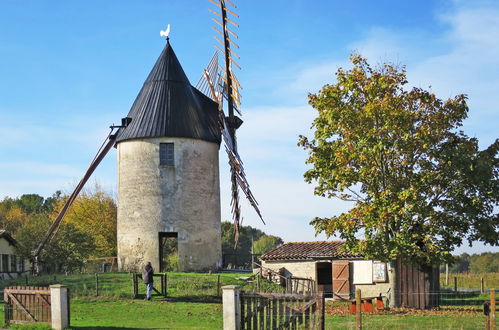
(147, 274)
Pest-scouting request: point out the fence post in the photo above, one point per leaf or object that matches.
(59, 306)
(455, 284)
(231, 307)
(321, 308)
(218, 285)
(358, 307)
(96, 284)
(492, 308)
(482, 287)
(446, 274)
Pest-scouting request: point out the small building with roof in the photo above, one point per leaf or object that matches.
(11, 264)
(339, 273)
(336, 272)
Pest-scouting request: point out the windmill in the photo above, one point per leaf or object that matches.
(220, 83)
(168, 155)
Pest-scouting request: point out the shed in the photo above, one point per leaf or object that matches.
(339, 273)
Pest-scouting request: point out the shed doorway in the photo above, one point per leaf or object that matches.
(324, 277)
(168, 252)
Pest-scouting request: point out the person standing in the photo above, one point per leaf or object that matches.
(147, 277)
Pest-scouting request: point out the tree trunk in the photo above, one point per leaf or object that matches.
(393, 279)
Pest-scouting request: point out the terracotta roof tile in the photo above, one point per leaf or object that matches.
(308, 250)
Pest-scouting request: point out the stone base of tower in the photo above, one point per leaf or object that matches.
(195, 254)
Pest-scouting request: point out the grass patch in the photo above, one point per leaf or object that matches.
(471, 281)
(193, 303)
(392, 322)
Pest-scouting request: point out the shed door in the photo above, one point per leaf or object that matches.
(341, 278)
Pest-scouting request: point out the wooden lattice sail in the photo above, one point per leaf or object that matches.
(220, 83)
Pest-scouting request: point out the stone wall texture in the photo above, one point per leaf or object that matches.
(184, 199)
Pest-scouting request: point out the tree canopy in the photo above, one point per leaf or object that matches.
(420, 186)
(88, 230)
(250, 239)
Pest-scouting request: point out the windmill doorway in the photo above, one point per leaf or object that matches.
(168, 252)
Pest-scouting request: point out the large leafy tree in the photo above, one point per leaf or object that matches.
(420, 186)
(95, 213)
(266, 243)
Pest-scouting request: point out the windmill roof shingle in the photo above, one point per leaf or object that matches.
(308, 251)
(168, 106)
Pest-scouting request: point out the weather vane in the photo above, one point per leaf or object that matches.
(165, 33)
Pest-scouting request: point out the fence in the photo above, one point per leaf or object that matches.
(467, 281)
(257, 310)
(159, 283)
(181, 286)
(238, 260)
(24, 304)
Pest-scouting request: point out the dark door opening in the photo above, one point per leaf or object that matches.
(168, 252)
(325, 277)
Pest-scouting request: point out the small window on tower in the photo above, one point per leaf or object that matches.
(166, 154)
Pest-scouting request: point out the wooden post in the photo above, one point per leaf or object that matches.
(218, 285)
(492, 309)
(482, 287)
(96, 284)
(446, 274)
(358, 307)
(166, 284)
(455, 284)
(322, 309)
(163, 278)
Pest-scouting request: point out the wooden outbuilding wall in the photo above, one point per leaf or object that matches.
(418, 286)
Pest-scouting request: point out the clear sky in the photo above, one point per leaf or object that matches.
(69, 69)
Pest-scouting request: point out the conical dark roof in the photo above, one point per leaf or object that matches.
(168, 106)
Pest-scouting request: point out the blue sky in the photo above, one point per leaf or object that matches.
(69, 69)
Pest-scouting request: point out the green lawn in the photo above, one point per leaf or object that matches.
(392, 322)
(193, 303)
(102, 313)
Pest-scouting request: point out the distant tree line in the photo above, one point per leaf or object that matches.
(251, 241)
(487, 262)
(88, 230)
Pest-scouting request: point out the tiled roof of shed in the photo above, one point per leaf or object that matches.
(308, 250)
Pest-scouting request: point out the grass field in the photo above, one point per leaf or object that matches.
(471, 281)
(193, 304)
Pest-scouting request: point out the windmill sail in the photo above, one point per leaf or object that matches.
(220, 83)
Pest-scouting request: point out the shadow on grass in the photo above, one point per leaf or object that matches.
(109, 328)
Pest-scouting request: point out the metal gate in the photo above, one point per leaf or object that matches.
(26, 304)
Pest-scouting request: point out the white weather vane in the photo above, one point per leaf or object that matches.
(165, 33)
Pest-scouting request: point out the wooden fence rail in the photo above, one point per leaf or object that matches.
(281, 311)
(25, 304)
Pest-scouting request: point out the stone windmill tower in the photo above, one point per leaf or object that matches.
(168, 174)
